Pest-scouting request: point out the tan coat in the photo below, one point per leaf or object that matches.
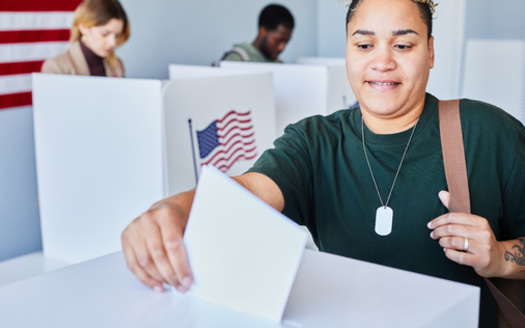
(73, 62)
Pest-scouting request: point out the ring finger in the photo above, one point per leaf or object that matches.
(458, 243)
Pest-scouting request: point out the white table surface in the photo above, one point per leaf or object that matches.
(329, 291)
(28, 265)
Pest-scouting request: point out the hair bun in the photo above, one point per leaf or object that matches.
(430, 4)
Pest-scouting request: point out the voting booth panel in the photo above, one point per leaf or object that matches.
(494, 73)
(106, 149)
(19, 226)
(340, 93)
(321, 61)
(303, 90)
(99, 160)
(191, 71)
(224, 121)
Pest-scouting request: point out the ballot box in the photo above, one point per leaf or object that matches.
(241, 281)
(494, 73)
(303, 90)
(328, 291)
(108, 148)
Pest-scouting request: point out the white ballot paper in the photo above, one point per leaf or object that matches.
(243, 253)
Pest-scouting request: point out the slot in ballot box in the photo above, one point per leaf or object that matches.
(303, 90)
(107, 149)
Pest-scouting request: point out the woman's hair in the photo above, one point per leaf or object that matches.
(97, 13)
(426, 9)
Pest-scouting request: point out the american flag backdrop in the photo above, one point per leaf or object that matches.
(30, 32)
(227, 140)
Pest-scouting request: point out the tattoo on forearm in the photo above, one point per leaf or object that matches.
(518, 256)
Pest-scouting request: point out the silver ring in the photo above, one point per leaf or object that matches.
(465, 245)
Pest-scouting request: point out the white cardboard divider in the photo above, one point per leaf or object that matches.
(19, 227)
(261, 95)
(205, 100)
(190, 71)
(106, 149)
(99, 161)
(321, 61)
(494, 73)
(303, 90)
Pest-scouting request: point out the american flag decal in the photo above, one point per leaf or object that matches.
(228, 140)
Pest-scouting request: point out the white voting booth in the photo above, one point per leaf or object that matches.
(340, 93)
(99, 157)
(303, 90)
(238, 105)
(334, 61)
(107, 149)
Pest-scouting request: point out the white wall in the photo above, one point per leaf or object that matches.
(331, 32)
(448, 31)
(192, 32)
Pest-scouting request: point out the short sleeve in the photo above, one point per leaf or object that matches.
(288, 164)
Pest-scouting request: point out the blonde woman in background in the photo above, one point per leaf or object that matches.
(98, 28)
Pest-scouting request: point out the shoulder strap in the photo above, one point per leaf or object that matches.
(457, 181)
(454, 156)
(245, 56)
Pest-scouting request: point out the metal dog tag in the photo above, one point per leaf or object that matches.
(384, 218)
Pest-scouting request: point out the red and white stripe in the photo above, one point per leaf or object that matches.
(236, 141)
(30, 32)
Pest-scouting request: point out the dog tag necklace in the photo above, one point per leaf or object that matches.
(384, 214)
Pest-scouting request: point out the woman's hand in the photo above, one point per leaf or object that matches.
(153, 244)
(469, 240)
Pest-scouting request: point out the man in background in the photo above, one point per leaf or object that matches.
(276, 24)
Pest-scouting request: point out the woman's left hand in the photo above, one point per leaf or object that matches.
(468, 240)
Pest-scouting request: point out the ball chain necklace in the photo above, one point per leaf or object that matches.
(384, 214)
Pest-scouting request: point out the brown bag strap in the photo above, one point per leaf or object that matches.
(454, 156)
(457, 181)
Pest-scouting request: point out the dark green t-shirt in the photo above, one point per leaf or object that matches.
(320, 167)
